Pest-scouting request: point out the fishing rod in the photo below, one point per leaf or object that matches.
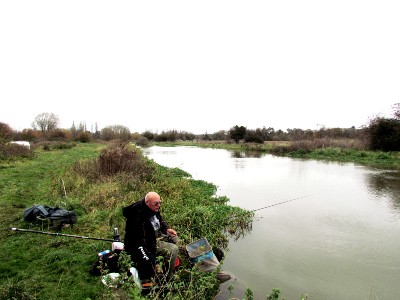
(279, 203)
(116, 235)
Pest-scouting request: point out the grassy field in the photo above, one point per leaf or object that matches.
(97, 186)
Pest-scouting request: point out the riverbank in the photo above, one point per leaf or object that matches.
(341, 152)
(35, 266)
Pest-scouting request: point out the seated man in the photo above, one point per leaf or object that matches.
(144, 226)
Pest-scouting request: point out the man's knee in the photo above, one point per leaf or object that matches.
(168, 248)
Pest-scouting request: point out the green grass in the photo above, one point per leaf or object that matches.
(36, 266)
(41, 264)
(390, 160)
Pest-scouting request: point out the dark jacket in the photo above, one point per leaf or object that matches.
(140, 238)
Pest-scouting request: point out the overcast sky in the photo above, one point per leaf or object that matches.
(199, 66)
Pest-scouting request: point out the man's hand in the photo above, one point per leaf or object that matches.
(171, 232)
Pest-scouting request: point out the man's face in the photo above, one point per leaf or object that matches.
(154, 204)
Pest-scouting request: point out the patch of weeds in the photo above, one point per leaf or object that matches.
(274, 294)
(383, 156)
(16, 289)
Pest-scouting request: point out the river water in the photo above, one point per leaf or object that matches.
(338, 239)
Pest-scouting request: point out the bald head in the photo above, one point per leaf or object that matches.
(153, 201)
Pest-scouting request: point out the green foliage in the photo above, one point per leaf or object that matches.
(63, 145)
(15, 289)
(299, 148)
(237, 133)
(166, 136)
(169, 136)
(274, 294)
(148, 134)
(385, 134)
(254, 136)
(249, 294)
(48, 146)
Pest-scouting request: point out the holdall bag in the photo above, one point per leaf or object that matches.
(61, 215)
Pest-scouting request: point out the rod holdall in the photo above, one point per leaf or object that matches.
(32, 214)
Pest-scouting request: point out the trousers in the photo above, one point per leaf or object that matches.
(166, 248)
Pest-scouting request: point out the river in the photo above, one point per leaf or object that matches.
(337, 239)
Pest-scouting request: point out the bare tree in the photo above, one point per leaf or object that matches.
(45, 122)
(115, 132)
(396, 110)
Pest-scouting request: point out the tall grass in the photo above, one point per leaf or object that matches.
(12, 152)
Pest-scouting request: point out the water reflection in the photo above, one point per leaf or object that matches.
(245, 154)
(385, 184)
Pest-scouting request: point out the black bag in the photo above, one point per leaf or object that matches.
(51, 213)
(107, 263)
(31, 214)
(62, 215)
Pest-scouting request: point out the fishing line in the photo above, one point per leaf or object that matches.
(279, 203)
(275, 204)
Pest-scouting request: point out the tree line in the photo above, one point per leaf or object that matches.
(380, 134)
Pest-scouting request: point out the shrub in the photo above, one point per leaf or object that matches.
(142, 141)
(385, 134)
(58, 145)
(84, 137)
(299, 147)
(116, 159)
(12, 151)
(253, 136)
(5, 133)
(121, 158)
(27, 135)
(57, 134)
(63, 145)
(115, 132)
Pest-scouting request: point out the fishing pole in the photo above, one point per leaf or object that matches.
(279, 203)
(116, 236)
